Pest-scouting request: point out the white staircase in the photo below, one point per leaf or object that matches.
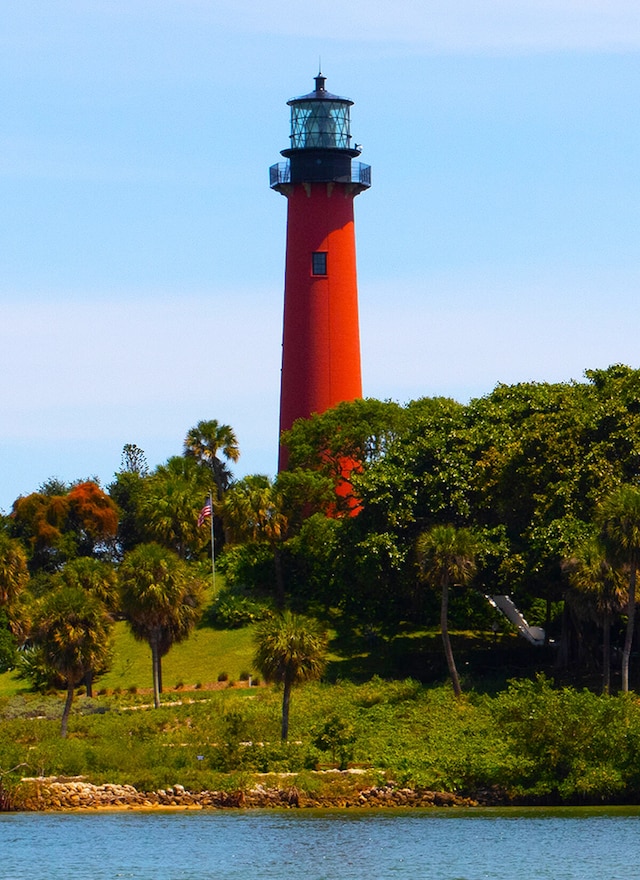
(533, 634)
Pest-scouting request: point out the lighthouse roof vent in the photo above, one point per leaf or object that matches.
(320, 93)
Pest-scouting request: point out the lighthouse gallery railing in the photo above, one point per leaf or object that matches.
(360, 173)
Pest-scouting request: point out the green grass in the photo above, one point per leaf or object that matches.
(484, 662)
(197, 661)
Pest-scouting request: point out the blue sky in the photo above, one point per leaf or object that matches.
(142, 252)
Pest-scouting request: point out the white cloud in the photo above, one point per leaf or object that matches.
(453, 25)
(432, 25)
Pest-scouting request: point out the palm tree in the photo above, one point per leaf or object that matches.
(161, 600)
(619, 519)
(94, 576)
(169, 505)
(72, 629)
(13, 569)
(290, 649)
(600, 590)
(97, 578)
(251, 510)
(206, 442)
(447, 558)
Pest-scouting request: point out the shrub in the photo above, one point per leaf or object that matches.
(231, 610)
(33, 668)
(337, 735)
(8, 650)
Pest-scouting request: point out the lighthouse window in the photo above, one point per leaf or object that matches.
(319, 263)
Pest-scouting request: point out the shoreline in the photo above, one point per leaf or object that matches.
(74, 794)
(62, 794)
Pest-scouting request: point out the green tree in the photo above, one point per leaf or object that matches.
(209, 443)
(290, 649)
(619, 519)
(423, 478)
(72, 630)
(161, 600)
(258, 511)
(133, 460)
(251, 512)
(598, 590)
(341, 442)
(8, 647)
(447, 558)
(126, 491)
(14, 574)
(170, 503)
(97, 578)
(94, 576)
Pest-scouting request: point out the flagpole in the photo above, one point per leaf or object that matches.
(213, 551)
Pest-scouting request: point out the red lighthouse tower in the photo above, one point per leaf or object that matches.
(321, 337)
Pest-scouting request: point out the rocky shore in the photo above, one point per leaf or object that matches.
(59, 794)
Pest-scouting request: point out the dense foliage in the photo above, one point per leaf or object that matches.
(542, 479)
(530, 743)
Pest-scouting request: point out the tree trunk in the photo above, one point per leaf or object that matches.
(155, 664)
(88, 683)
(277, 559)
(286, 696)
(564, 647)
(444, 629)
(67, 708)
(628, 638)
(606, 653)
(547, 620)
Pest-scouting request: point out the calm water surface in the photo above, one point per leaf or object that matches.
(439, 845)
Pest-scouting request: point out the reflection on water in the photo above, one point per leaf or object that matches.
(439, 845)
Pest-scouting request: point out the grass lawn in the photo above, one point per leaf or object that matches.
(481, 658)
(199, 660)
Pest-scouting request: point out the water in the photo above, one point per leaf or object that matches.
(438, 845)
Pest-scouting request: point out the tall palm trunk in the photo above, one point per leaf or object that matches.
(444, 629)
(628, 638)
(286, 696)
(155, 664)
(67, 708)
(606, 652)
(277, 559)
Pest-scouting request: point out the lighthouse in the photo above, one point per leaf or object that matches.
(320, 180)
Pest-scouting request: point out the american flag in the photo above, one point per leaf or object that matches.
(205, 512)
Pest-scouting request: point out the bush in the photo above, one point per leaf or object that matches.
(570, 745)
(8, 650)
(232, 611)
(337, 735)
(33, 668)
